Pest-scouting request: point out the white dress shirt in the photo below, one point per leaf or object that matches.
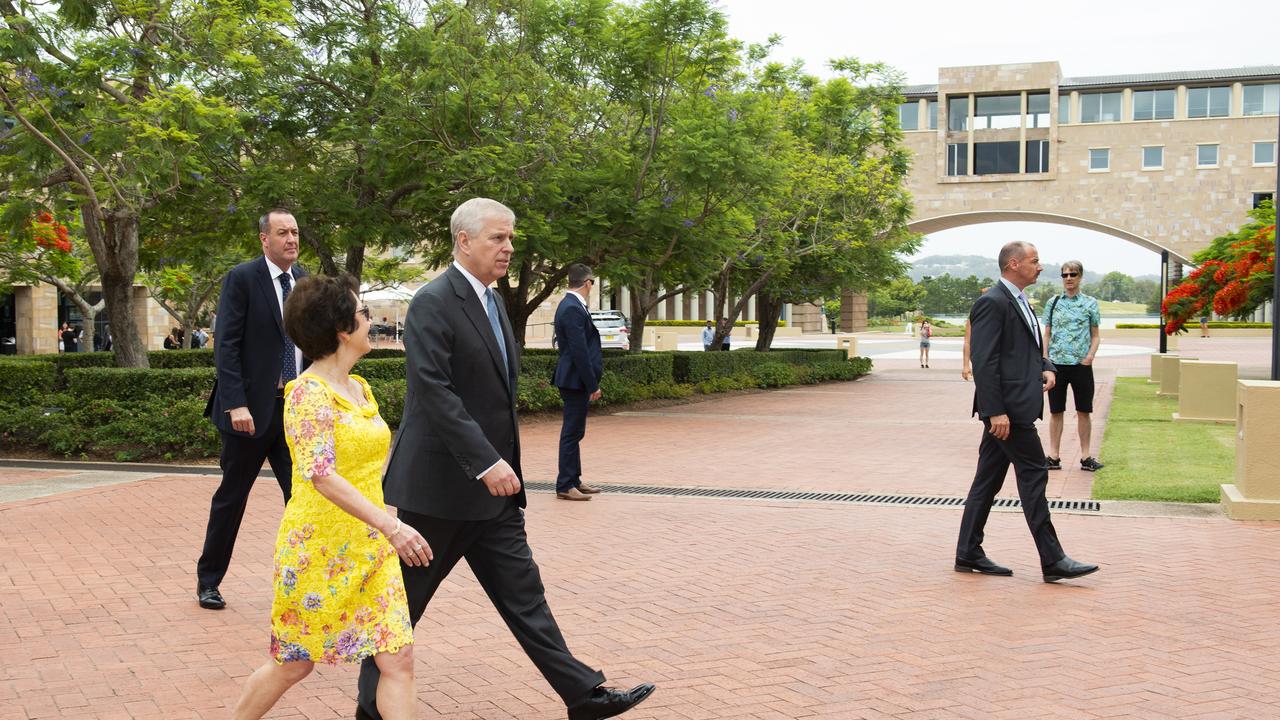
(276, 272)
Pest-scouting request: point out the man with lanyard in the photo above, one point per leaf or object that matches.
(1071, 340)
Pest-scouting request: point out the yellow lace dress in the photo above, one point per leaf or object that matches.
(339, 594)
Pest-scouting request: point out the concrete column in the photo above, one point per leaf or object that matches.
(1237, 100)
(36, 319)
(624, 301)
(1180, 104)
(751, 309)
(679, 306)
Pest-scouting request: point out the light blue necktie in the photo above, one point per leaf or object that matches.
(496, 325)
(1029, 317)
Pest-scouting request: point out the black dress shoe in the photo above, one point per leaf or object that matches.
(608, 702)
(981, 565)
(361, 714)
(1066, 569)
(210, 598)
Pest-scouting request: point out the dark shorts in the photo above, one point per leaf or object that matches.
(1080, 378)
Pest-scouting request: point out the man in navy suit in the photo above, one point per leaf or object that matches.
(254, 358)
(1010, 376)
(578, 378)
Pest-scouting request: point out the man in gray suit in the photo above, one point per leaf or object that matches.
(454, 472)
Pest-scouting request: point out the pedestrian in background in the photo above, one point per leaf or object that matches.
(577, 377)
(1071, 340)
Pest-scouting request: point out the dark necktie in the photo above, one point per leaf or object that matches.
(288, 357)
(496, 324)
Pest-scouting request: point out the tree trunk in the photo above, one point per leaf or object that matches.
(516, 298)
(355, 261)
(770, 309)
(114, 240)
(644, 300)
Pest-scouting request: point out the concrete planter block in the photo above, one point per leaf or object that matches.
(1170, 374)
(848, 343)
(1255, 495)
(1206, 392)
(1157, 362)
(788, 331)
(650, 336)
(668, 340)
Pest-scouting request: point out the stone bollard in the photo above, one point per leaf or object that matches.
(668, 339)
(848, 343)
(650, 336)
(1169, 375)
(750, 330)
(1206, 392)
(1255, 495)
(1157, 362)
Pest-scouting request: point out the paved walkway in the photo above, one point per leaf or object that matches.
(740, 609)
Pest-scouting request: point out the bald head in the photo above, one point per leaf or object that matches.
(1015, 250)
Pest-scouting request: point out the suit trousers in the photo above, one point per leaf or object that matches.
(241, 461)
(1023, 450)
(572, 430)
(498, 553)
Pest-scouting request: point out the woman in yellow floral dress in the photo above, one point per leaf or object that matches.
(339, 593)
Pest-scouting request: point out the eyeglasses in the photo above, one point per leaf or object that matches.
(1070, 274)
(366, 313)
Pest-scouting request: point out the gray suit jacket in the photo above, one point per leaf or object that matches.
(1006, 360)
(460, 407)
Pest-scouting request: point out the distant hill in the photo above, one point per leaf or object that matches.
(963, 266)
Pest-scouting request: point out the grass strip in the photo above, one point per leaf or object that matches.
(1150, 457)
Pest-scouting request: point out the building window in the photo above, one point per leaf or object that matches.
(995, 158)
(1100, 107)
(958, 113)
(1209, 102)
(957, 159)
(1207, 155)
(1262, 99)
(1259, 198)
(1153, 157)
(909, 115)
(1264, 153)
(1064, 109)
(1037, 156)
(1037, 110)
(1099, 159)
(933, 114)
(996, 112)
(1153, 104)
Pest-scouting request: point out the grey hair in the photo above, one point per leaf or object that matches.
(1016, 249)
(264, 222)
(1074, 265)
(470, 216)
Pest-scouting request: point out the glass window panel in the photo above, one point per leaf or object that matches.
(1064, 109)
(998, 111)
(1264, 153)
(1206, 155)
(933, 114)
(958, 113)
(1100, 107)
(1099, 159)
(1152, 158)
(1208, 102)
(1219, 101)
(957, 159)
(1037, 156)
(1262, 99)
(1153, 104)
(1259, 198)
(909, 115)
(1038, 110)
(995, 158)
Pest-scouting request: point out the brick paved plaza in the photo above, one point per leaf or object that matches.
(736, 608)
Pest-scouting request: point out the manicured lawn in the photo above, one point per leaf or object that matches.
(1149, 457)
(1110, 307)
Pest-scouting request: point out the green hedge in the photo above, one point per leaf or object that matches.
(21, 380)
(125, 383)
(153, 427)
(695, 367)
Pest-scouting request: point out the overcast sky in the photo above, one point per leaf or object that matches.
(1087, 37)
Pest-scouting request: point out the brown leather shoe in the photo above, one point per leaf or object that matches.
(587, 489)
(573, 494)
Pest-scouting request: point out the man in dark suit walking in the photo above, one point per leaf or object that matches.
(255, 358)
(454, 472)
(1011, 375)
(577, 377)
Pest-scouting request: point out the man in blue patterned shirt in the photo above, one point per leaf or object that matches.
(1070, 342)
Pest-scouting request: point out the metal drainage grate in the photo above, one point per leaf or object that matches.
(871, 498)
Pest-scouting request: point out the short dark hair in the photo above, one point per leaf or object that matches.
(264, 222)
(1011, 250)
(579, 274)
(318, 308)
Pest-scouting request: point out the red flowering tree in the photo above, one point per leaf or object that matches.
(1234, 276)
(43, 251)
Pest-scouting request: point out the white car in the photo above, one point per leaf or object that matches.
(612, 325)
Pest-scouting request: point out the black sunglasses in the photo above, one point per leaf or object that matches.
(366, 313)
(1070, 275)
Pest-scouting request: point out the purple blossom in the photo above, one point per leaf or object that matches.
(288, 577)
(573, 23)
(231, 208)
(86, 137)
(733, 115)
(711, 90)
(197, 176)
(348, 643)
(688, 223)
(667, 200)
(312, 601)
